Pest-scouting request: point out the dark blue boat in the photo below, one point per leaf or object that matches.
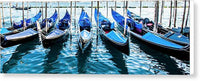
(107, 31)
(29, 22)
(61, 30)
(150, 38)
(26, 35)
(50, 21)
(85, 34)
(175, 37)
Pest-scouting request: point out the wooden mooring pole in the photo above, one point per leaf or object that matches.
(156, 16)
(106, 9)
(42, 9)
(10, 14)
(46, 16)
(183, 16)
(175, 12)
(91, 10)
(162, 10)
(140, 8)
(0, 20)
(75, 14)
(125, 16)
(186, 21)
(24, 21)
(27, 10)
(2, 12)
(71, 17)
(58, 11)
(97, 29)
(170, 18)
(115, 5)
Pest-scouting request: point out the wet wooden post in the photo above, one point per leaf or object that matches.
(175, 12)
(162, 10)
(42, 9)
(24, 21)
(183, 16)
(27, 10)
(187, 13)
(75, 14)
(97, 25)
(71, 17)
(58, 11)
(170, 18)
(10, 14)
(107, 9)
(115, 5)
(0, 20)
(46, 15)
(91, 10)
(125, 16)
(140, 8)
(2, 13)
(156, 16)
(124, 7)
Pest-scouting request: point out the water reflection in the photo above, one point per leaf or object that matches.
(52, 55)
(117, 57)
(83, 59)
(164, 60)
(21, 51)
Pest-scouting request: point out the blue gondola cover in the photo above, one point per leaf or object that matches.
(153, 38)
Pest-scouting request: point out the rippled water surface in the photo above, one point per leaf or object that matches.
(99, 58)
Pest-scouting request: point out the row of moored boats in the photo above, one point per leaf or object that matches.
(137, 27)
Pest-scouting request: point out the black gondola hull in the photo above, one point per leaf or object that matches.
(8, 43)
(122, 47)
(49, 42)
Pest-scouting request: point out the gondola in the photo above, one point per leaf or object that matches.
(20, 8)
(85, 34)
(29, 22)
(164, 33)
(150, 38)
(61, 30)
(107, 32)
(26, 35)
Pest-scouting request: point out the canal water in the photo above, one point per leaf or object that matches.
(99, 58)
